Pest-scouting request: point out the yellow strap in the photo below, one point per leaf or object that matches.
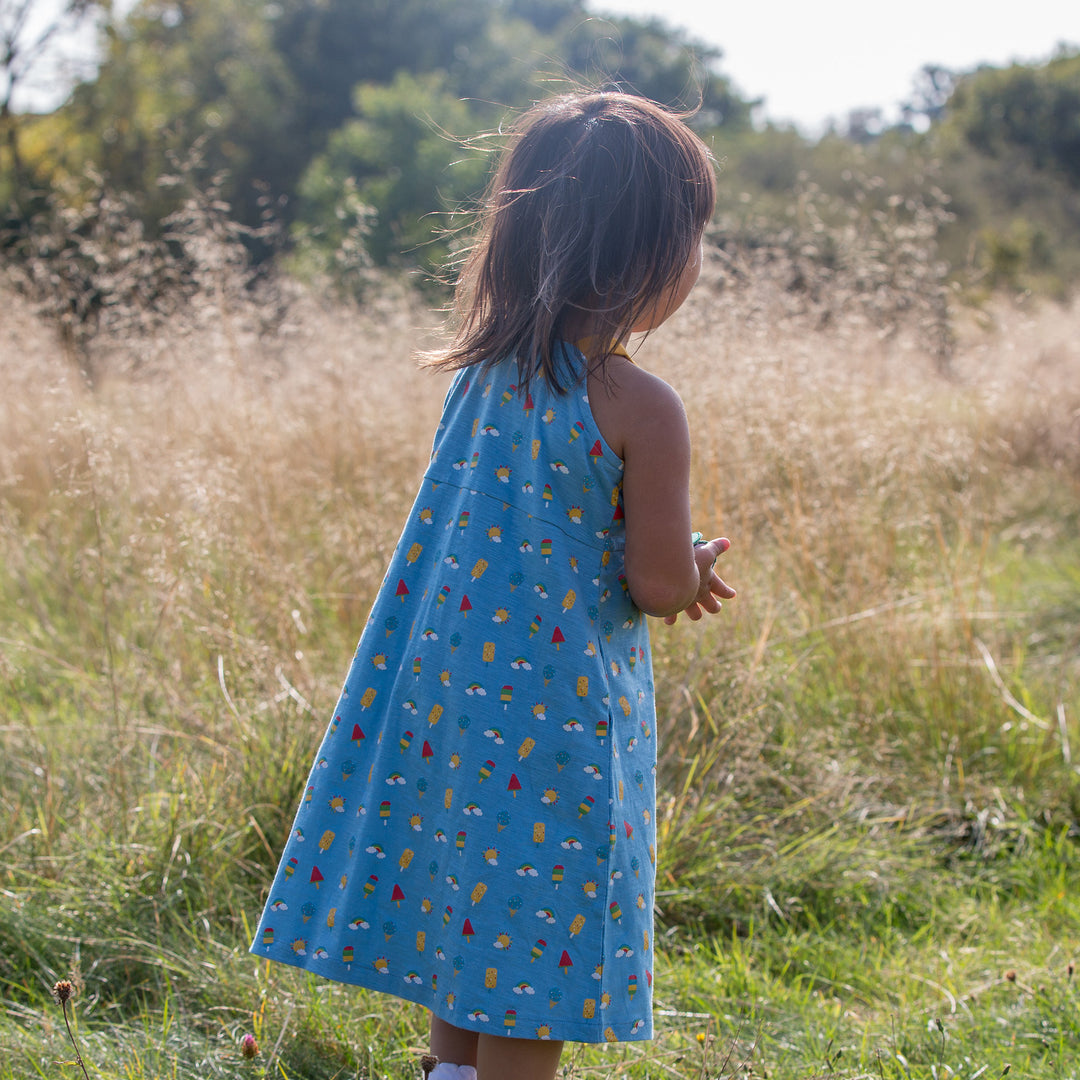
(618, 349)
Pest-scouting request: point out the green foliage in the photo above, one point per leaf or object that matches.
(330, 111)
(332, 108)
(1026, 111)
(27, 32)
(404, 149)
(646, 57)
(332, 46)
(395, 160)
(175, 75)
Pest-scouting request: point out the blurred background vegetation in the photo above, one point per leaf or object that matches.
(336, 137)
(216, 254)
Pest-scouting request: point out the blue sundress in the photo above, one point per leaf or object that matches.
(477, 831)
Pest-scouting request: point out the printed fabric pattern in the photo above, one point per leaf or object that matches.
(477, 831)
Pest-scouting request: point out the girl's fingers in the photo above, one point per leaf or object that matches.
(717, 590)
(721, 588)
(718, 545)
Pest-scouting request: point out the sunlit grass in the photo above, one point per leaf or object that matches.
(869, 763)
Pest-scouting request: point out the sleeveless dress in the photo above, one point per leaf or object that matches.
(477, 831)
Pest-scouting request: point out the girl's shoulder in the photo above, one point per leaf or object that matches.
(629, 403)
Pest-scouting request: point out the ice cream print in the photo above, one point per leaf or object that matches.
(462, 809)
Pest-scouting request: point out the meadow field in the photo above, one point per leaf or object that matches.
(870, 762)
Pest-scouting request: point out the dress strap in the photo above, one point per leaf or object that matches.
(583, 345)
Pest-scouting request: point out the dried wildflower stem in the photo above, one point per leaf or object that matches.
(74, 1042)
(62, 991)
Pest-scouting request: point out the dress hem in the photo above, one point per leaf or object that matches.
(495, 1024)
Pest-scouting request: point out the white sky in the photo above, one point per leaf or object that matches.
(816, 59)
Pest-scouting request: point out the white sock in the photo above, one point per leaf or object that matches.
(445, 1071)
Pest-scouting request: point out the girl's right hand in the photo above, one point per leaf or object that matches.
(713, 589)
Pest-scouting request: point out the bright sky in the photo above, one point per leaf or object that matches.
(816, 59)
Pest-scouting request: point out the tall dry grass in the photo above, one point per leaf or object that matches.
(239, 496)
(190, 546)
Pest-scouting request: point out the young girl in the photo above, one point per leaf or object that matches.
(477, 833)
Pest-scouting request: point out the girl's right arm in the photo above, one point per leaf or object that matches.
(643, 420)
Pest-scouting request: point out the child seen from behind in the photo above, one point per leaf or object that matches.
(477, 834)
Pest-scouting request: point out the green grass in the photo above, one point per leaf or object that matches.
(869, 812)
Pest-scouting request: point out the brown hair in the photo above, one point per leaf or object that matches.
(593, 212)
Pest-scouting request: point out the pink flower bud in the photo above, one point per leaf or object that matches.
(248, 1046)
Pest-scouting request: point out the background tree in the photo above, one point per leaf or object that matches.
(648, 57)
(179, 74)
(354, 119)
(1030, 110)
(28, 30)
(931, 89)
(389, 170)
(397, 159)
(331, 47)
